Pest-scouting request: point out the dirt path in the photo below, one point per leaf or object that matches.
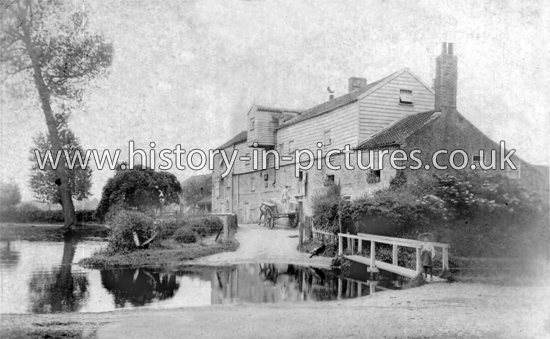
(258, 244)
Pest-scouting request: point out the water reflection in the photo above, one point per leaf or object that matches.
(139, 287)
(41, 277)
(59, 290)
(9, 258)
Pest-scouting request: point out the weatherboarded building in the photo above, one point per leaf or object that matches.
(381, 123)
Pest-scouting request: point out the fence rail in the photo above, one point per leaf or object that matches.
(322, 235)
(351, 241)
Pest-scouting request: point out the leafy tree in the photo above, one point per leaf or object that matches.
(43, 180)
(140, 188)
(50, 42)
(196, 188)
(9, 195)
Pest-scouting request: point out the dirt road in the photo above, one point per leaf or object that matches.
(258, 244)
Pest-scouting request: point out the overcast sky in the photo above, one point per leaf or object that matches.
(187, 72)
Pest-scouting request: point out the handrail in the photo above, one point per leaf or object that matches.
(391, 240)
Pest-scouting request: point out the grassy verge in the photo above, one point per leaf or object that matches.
(170, 254)
(30, 232)
(37, 332)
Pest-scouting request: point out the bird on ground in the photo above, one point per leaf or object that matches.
(317, 251)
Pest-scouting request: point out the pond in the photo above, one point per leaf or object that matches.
(42, 277)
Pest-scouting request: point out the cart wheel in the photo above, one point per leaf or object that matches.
(268, 221)
(293, 220)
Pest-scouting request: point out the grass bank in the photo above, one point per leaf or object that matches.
(168, 254)
(41, 232)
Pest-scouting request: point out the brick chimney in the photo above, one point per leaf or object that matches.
(445, 83)
(355, 83)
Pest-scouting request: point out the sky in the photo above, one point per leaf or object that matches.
(187, 72)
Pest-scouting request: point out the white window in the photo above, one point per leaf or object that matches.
(252, 124)
(514, 174)
(327, 140)
(406, 97)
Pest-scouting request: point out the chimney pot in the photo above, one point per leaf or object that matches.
(444, 48)
(331, 96)
(450, 48)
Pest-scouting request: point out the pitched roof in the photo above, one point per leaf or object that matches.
(340, 101)
(199, 177)
(241, 137)
(205, 201)
(397, 132)
(279, 110)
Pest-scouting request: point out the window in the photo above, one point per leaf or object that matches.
(327, 139)
(514, 174)
(373, 176)
(252, 184)
(406, 97)
(329, 179)
(290, 147)
(252, 124)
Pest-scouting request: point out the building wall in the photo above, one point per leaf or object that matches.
(342, 124)
(381, 107)
(264, 127)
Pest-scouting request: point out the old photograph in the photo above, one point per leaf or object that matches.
(274, 169)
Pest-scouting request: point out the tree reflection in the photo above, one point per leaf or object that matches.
(138, 287)
(8, 258)
(59, 290)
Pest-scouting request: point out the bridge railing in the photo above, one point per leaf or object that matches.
(395, 242)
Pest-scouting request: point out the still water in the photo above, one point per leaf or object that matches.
(42, 277)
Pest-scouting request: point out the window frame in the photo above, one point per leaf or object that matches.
(405, 102)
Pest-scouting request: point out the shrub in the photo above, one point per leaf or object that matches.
(124, 224)
(185, 235)
(205, 226)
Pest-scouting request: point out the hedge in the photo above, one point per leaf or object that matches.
(45, 217)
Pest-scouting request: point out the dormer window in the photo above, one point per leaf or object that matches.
(252, 124)
(405, 97)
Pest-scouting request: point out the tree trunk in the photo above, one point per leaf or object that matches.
(45, 99)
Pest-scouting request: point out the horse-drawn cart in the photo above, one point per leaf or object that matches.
(270, 211)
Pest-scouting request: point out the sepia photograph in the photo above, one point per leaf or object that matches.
(274, 169)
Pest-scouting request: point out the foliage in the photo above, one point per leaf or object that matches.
(124, 224)
(10, 195)
(185, 235)
(325, 208)
(43, 180)
(205, 226)
(196, 188)
(34, 215)
(140, 188)
(478, 214)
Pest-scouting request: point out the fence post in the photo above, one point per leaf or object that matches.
(301, 235)
(340, 245)
(352, 245)
(418, 261)
(360, 249)
(394, 261)
(372, 255)
(445, 259)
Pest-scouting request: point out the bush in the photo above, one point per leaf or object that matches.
(205, 226)
(124, 224)
(185, 235)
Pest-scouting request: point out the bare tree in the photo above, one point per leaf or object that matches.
(50, 44)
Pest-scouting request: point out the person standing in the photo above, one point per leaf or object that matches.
(427, 251)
